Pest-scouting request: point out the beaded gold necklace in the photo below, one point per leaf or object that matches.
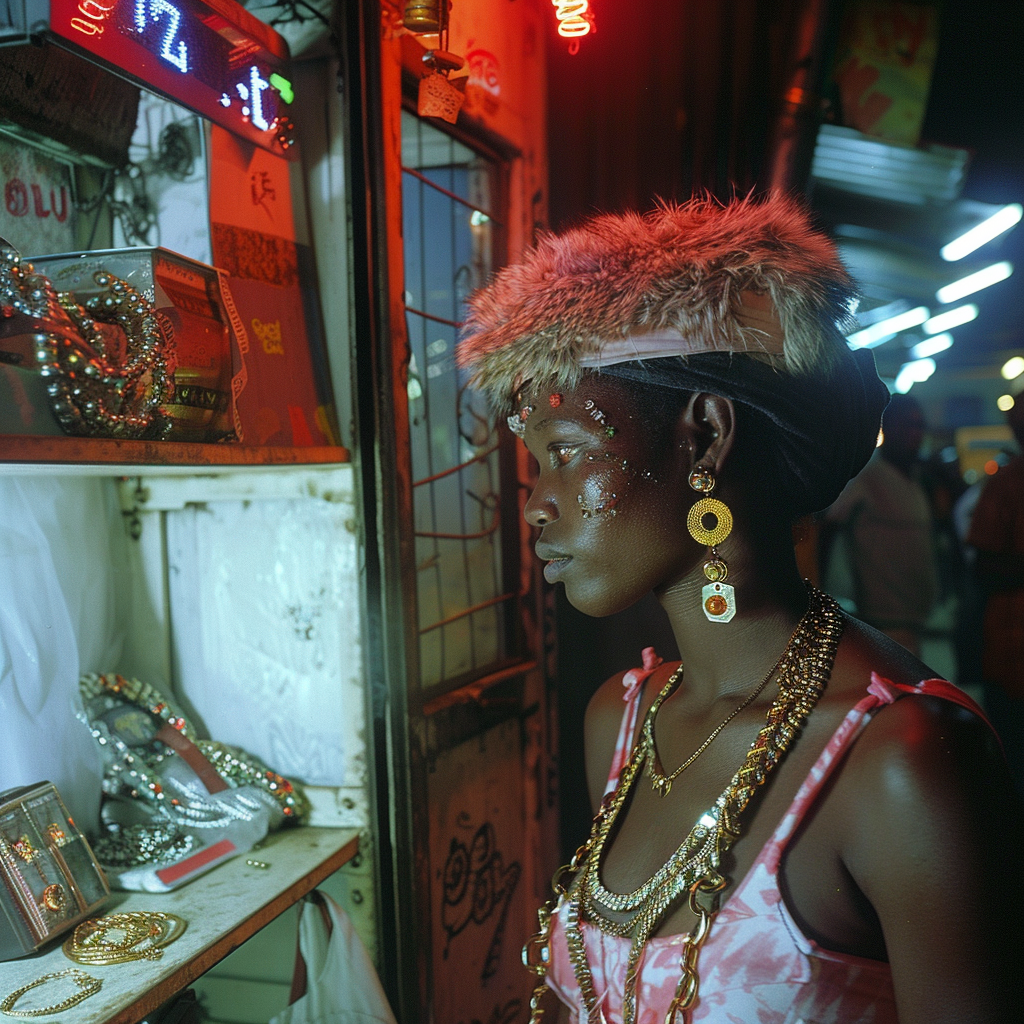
(802, 673)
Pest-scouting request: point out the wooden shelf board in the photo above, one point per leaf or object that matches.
(104, 454)
(223, 908)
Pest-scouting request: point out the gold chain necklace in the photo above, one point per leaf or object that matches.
(121, 938)
(803, 671)
(631, 902)
(661, 782)
(86, 984)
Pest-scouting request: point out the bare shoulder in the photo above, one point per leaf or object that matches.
(601, 730)
(929, 820)
(865, 650)
(922, 758)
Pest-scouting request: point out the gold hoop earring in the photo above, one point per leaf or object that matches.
(718, 598)
(723, 521)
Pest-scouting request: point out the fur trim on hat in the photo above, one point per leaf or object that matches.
(681, 267)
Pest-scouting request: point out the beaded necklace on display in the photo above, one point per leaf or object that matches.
(136, 771)
(89, 393)
(127, 846)
(802, 673)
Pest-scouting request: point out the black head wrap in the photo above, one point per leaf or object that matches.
(821, 427)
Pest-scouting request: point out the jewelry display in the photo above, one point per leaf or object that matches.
(176, 804)
(86, 983)
(54, 897)
(49, 878)
(802, 673)
(122, 938)
(718, 598)
(137, 769)
(23, 847)
(128, 846)
(90, 392)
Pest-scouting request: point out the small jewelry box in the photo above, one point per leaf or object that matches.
(49, 878)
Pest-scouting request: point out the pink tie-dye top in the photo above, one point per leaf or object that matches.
(756, 967)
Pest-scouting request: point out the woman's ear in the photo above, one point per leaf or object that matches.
(707, 429)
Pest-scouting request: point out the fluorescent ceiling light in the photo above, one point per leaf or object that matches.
(913, 373)
(951, 318)
(878, 333)
(1000, 221)
(1004, 403)
(974, 282)
(1012, 368)
(931, 346)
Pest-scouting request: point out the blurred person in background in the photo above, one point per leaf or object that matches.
(884, 519)
(997, 535)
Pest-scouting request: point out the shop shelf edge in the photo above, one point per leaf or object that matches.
(24, 453)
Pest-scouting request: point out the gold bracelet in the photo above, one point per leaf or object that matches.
(143, 936)
(87, 984)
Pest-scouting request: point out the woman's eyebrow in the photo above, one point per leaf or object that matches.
(566, 420)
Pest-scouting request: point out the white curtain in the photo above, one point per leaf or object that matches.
(61, 571)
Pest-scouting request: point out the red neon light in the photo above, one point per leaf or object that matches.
(575, 18)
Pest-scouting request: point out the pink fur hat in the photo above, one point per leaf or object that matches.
(751, 276)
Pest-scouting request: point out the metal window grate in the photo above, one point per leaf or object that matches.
(448, 241)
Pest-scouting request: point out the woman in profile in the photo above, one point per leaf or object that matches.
(795, 823)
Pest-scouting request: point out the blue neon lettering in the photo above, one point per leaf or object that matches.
(257, 86)
(179, 59)
(158, 8)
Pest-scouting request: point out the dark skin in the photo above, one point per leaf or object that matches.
(912, 854)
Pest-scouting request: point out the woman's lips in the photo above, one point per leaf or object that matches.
(555, 567)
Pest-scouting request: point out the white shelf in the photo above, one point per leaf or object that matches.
(223, 908)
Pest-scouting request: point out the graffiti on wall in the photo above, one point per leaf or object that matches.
(478, 888)
(506, 1013)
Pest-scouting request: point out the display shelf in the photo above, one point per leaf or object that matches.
(223, 908)
(100, 456)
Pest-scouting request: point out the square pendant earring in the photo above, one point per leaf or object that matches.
(718, 598)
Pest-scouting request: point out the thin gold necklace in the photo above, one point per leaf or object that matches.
(661, 782)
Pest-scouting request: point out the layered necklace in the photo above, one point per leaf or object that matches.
(692, 870)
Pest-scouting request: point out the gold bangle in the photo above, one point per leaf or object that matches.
(143, 934)
(87, 984)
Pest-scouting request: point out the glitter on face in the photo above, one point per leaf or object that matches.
(605, 503)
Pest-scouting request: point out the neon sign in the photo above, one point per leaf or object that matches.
(575, 20)
(211, 56)
(157, 11)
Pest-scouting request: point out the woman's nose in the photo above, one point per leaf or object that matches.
(540, 511)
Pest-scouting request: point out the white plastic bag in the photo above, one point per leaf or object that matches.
(342, 986)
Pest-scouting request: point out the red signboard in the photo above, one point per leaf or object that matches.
(211, 56)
